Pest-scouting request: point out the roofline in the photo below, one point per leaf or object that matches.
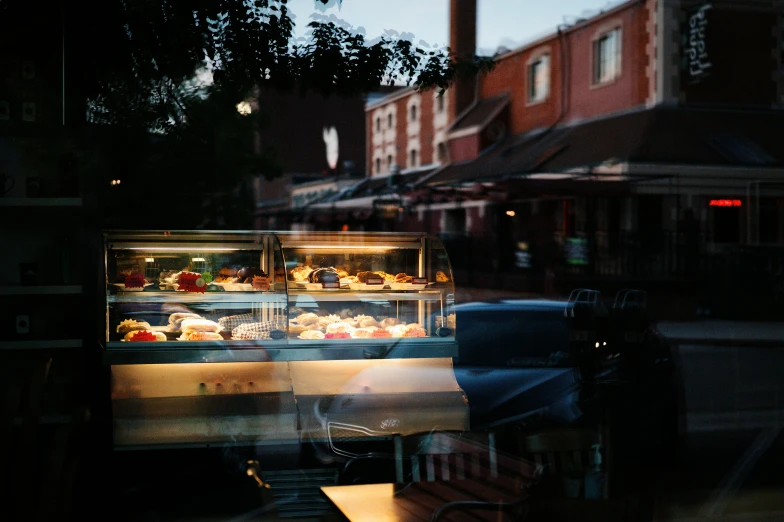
(393, 96)
(468, 131)
(576, 26)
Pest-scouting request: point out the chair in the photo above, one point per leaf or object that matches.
(561, 452)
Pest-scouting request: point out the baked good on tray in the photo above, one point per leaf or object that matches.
(129, 325)
(200, 336)
(324, 275)
(200, 325)
(145, 336)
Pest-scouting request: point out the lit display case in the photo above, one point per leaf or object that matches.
(295, 296)
(252, 337)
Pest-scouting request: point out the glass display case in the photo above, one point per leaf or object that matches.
(266, 337)
(294, 296)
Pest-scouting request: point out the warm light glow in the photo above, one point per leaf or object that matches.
(199, 260)
(344, 247)
(115, 182)
(182, 249)
(597, 345)
(510, 213)
(244, 108)
(149, 260)
(726, 203)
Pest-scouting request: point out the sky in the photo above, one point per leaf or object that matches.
(509, 23)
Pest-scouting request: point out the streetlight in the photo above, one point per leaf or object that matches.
(244, 108)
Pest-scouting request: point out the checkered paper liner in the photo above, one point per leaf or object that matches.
(233, 321)
(252, 331)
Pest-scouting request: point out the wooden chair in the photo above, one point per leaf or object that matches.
(462, 477)
(560, 452)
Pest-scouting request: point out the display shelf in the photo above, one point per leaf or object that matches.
(191, 297)
(40, 345)
(41, 290)
(40, 202)
(349, 295)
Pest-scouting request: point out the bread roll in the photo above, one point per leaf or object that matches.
(130, 325)
(200, 325)
(363, 333)
(311, 334)
(307, 319)
(340, 327)
(390, 321)
(200, 336)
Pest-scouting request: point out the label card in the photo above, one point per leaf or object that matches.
(375, 281)
(335, 284)
(419, 281)
(261, 283)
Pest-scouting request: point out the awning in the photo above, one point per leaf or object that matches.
(663, 135)
(480, 115)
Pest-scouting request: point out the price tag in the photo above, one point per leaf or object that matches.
(419, 281)
(375, 281)
(336, 284)
(261, 283)
(134, 281)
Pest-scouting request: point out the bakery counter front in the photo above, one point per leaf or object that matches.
(279, 403)
(276, 296)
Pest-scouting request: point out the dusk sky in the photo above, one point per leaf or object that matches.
(510, 23)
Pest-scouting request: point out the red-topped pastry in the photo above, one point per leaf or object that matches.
(380, 334)
(342, 335)
(143, 336)
(134, 281)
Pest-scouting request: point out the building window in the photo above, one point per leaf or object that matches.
(440, 103)
(441, 152)
(413, 159)
(378, 165)
(389, 121)
(378, 124)
(539, 79)
(607, 57)
(389, 161)
(413, 113)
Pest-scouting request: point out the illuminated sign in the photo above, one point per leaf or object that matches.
(696, 50)
(726, 203)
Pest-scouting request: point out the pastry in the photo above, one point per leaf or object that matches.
(342, 273)
(403, 278)
(362, 277)
(300, 273)
(390, 321)
(381, 333)
(363, 333)
(296, 329)
(130, 325)
(414, 330)
(280, 275)
(441, 277)
(145, 336)
(200, 336)
(324, 275)
(339, 327)
(245, 275)
(311, 334)
(339, 335)
(307, 319)
(227, 272)
(397, 330)
(200, 325)
(368, 322)
(327, 320)
(348, 280)
(176, 319)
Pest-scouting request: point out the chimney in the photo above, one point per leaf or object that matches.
(462, 41)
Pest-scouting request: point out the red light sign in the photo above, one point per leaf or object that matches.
(726, 203)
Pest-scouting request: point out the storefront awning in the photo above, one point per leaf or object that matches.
(662, 135)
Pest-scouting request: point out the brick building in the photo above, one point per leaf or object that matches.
(629, 135)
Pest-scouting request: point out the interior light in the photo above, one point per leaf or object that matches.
(604, 343)
(510, 213)
(199, 259)
(344, 247)
(182, 249)
(597, 345)
(149, 260)
(244, 108)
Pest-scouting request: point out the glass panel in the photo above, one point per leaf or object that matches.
(367, 286)
(169, 287)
